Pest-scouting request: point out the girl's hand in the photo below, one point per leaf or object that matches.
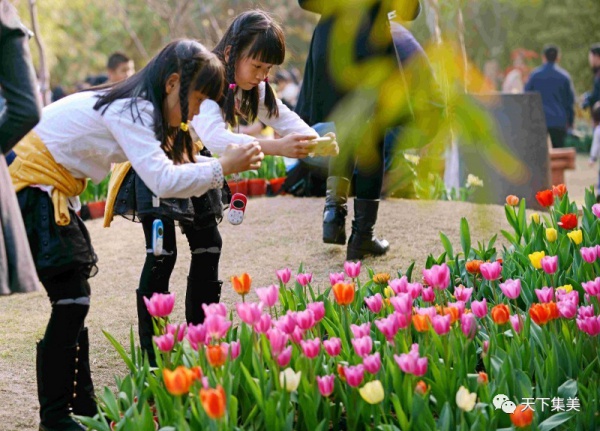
(295, 145)
(239, 158)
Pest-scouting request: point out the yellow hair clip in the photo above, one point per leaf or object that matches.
(184, 127)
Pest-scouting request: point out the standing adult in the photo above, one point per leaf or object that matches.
(594, 96)
(20, 110)
(558, 96)
(324, 87)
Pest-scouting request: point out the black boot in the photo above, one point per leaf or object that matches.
(145, 327)
(334, 214)
(362, 240)
(198, 293)
(84, 402)
(56, 384)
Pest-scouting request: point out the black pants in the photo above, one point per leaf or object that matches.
(558, 136)
(205, 245)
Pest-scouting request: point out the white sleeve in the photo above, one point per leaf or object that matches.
(159, 173)
(287, 122)
(595, 150)
(213, 131)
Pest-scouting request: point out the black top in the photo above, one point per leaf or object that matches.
(20, 108)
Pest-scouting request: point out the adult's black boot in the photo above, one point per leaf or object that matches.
(335, 211)
(84, 402)
(198, 293)
(362, 240)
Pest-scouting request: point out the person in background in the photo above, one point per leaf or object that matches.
(595, 150)
(119, 67)
(287, 90)
(594, 96)
(20, 110)
(558, 96)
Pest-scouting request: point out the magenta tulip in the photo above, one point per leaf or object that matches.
(545, 294)
(326, 384)
(511, 288)
(352, 269)
(249, 312)
(362, 346)
(311, 348)
(585, 311)
(165, 343)
(287, 322)
(215, 308)
(479, 308)
(177, 330)
(567, 309)
(216, 326)
(372, 363)
(428, 294)
(359, 331)
(441, 324)
(278, 340)
(354, 375)
(596, 210)
(196, 335)
(592, 288)
(550, 264)
(517, 322)
(336, 277)
(284, 275)
(402, 303)
(318, 309)
(589, 325)
(235, 349)
(399, 285)
(304, 279)
(411, 363)
(438, 276)
(462, 293)
(374, 303)
(268, 295)
(160, 304)
(263, 324)
(589, 254)
(491, 270)
(305, 319)
(297, 335)
(468, 325)
(414, 289)
(283, 359)
(333, 346)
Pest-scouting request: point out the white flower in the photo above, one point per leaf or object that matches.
(465, 400)
(289, 379)
(473, 181)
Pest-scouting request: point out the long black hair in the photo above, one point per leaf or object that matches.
(199, 70)
(252, 34)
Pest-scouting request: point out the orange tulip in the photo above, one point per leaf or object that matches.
(214, 401)
(242, 283)
(196, 372)
(512, 200)
(522, 416)
(472, 266)
(343, 293)
(341, 372)
(421, 322)
(421, 387)
(178, 381)
(381, 278)
(216, 355)
(541, 313)
(482, 378)
(453, 312)
(500, 314)
(559, 190)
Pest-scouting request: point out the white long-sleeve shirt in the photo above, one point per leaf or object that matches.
(595, 149)
(86, 143)
(214, 132)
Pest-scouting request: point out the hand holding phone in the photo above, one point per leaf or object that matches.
(325, 146)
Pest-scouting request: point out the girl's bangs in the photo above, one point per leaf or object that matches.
(268, 46)
(211, 80)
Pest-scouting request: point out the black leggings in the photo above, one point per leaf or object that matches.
(205, 246)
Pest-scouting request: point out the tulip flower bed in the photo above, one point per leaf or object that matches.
(482, 339)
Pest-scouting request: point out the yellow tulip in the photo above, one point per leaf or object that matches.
(551, 234)
(289, 379)
(536, 259)
(535, 217)
(372, 392)
(567, 288)
(576, 236)
(465, 400)
(388, 292)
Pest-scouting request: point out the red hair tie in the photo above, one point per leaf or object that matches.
(267, 79)
(232, 86)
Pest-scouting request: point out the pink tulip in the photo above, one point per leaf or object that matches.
(372, 363)
(287, 322)
(177, 329)
(567, 309)
(427, 311)
(485, 347)
(284, 275)
(491, 270)
(354, 375)
(572, 296)
(283, 359)
(402, 303)
(411, 363)
(428, 294)
(388, 327)
(545, 294)
(462, 293)
(403, 320)
(160, 304)
(550, 264)
(517, 322)
(589, 254)
(585, 311)
(589, 325)
(399, 285)
(216, 326)
(263, 324)
(311, 348)
(326, 384)
(249, 312)
(374, 303)
(215, 308)
(268, 295)
(352, 269)
(441, 324)
(598, 250)
(511, 288)
(363, 330)
(196, 335)
(459, 305)
(596, 210)
(479, 308)
(304, 278)
(438, 276)
(336, 277)
(414, 289)
(318, 309)
(235, 349)
(333, 346)
(592, 288)
(362, 346)
(305, 319)
(277, 339)
(468, 325)
(297, 335)
(165, 343)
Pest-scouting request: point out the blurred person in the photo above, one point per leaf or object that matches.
(119, 67)
(287, 90)
(595, 149)
(558, 95)
(592, 97)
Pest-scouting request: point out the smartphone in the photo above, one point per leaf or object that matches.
(157, 237)
(322, 146)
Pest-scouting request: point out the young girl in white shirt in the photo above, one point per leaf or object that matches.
(143, 120)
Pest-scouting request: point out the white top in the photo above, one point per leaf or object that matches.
(595, 150)
(86, 143)
(214, 132)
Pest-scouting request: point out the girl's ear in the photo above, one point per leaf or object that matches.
(226, 53)
(172, 83)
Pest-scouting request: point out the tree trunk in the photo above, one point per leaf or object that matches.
(43, 73)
